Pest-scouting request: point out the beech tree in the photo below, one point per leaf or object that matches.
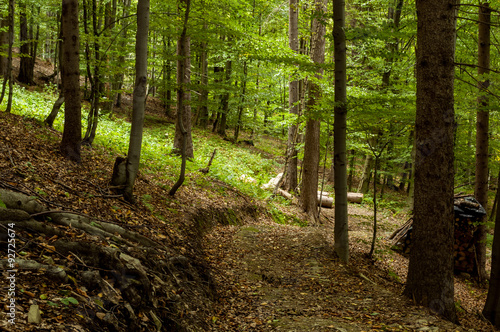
(293, 98)
(141, 80)
(70, 72)
(430, 271)
(182, 90)
(310, 165)
(183, 141)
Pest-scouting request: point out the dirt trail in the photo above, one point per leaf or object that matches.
(286, 278)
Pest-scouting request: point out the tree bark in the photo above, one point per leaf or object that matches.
(492, 307)
(430, 272)
(482, 133)
(141, 80)
(182, 79)
(25, 67)
(70, 70)
(203, 97)
(183, 128)
(310, 165)
(221, 126)
(9, 75)
(364, 184)
(340, 125)
(4, 44)
(293, 98)
(242, 102)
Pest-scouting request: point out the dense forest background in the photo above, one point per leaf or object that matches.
(335, 87)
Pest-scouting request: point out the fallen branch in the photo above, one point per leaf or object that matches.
(207, 169)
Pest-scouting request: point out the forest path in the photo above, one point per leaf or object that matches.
(274, 277)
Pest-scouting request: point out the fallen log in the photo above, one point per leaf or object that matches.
(325, 201)
(355, 197)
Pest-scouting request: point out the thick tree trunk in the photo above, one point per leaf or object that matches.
(310, 165)
(141, 80)
(482, 132)
(340, 125)
(430, 272)
(70, 70)
(25, 68)
(293, 99)
(492, 307)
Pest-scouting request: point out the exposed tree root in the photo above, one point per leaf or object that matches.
(134, 285)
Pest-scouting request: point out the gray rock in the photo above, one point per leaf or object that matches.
(34, 316)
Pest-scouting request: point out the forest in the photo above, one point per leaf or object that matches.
(249, 165)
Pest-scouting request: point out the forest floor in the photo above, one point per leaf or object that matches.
(245, 272)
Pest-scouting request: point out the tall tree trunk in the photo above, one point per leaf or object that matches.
(141, 82)
(492, 307)
(4, 44)
(293, 98)
(182, 80)
(221, 127)
(430, 271)
(183, 128)
(93, 117)
(203, 97)
(340, 125)
(118, 79)
(242, 102)
(70, 71)
(482, 132)
(25, 69)
(9, 75)
(310, 165)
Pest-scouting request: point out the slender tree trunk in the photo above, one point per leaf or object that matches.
(117, 86)
(340, 125)
(221, 127)
(70, 71)
(4, 44)
(293, 98)
(182, 79)
(310, 165)
(482, 132)
(183, 128)
(93, 118)
(203, 97)
(141, 79)
(351, 170)
(242, 102)
(430, 273)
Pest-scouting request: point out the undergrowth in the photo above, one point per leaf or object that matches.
(232, 164)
